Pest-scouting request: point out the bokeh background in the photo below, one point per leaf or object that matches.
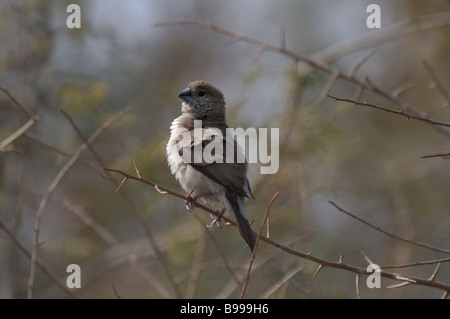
(367, 161)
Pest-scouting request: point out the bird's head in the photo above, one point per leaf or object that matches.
(203, 100)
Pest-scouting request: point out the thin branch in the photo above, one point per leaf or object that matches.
(372, 39)
(434, 274)
(221, 254)
(256, 245)
(402, 88)
(258, 55)
(387, 233)
(146, 229)
(370, 262)
(159, 188)
(242, 37)
(107, 237)
(19, 132)
(357, 286)
(402, 113)
(319, 268)
(51, 189)
(115, 292)
(406, 106)
(196, 264)
(64, 153)
(277, 285)
(20, 106)
(42, 267)
(307, 256)
(360, 62)
(327, 88)
(419, 263)
(436, 155)
(436, 80)
(321, 59)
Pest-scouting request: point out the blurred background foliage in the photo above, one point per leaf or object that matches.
(365, 160)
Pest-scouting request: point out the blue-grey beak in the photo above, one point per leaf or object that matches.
(186, 95)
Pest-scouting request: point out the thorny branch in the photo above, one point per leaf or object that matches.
(41, 266)
(322, 262)
(320, 60)
(387, 233)
(401, 113)
(256, 245)
(51, 189)
(132, 209)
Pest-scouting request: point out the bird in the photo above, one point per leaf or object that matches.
(218, 183)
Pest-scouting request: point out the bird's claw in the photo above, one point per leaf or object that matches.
(190, 205)
(216, 219)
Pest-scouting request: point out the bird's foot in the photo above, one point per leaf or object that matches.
(217, 219)
(191, 203)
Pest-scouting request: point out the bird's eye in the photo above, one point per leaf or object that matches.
(201, 93)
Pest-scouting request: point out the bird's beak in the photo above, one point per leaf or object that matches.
(186, 95)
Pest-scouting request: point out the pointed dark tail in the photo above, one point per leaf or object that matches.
(245, 231)
(237, 204)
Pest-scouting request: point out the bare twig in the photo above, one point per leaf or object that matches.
(407, 107)
(326, 89)
(63, 153)
(196, 264)
(387, 233)
(319, 268)
(436, 155)
(19, 132)
(434, 274)
(115, 292)
(436, 80)
(42, 267)
(402, 88)
(372, 39)
(402, 113)
(320, 60)
(360, 62)
(256, 245)
(370, 262)
(19, 105)
(419, 263)
(221, 254)
(357, 286)
(146, 229)
(272, 289)
(51, 189)
(107, 237)
(307, 256)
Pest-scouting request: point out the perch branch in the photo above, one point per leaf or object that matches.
(308, 256)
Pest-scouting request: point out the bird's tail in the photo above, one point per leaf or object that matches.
(237, 204)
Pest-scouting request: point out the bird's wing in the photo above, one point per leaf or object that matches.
(232, 174)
